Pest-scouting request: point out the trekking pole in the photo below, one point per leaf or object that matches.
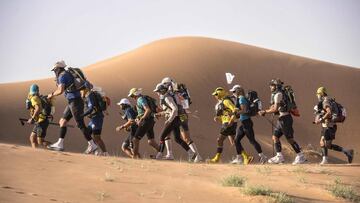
(272, 130)
(23, 121)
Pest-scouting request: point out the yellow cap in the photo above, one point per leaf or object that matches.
(134, 92)
(220, 92)
(321, 91)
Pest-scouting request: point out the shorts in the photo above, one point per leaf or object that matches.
(96, 123)
(128, 141)
(41, 128)
(329, 133)
(75, 108)
(227, 130)
(284, 126)
(146, 127)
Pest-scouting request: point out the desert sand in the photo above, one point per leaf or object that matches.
(29, 175)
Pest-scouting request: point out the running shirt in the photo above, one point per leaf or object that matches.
(278, 97)
(67, 79)
(243, 101)
(229, 109)
(140, 104)
(35, 100)
(130, 114)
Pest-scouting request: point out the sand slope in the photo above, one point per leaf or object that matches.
(44, 176)
(201, 63)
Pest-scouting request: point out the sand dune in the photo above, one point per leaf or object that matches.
(201, 63)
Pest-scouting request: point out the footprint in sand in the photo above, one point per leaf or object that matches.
(19, 192)
(7, 187)
(54, 200)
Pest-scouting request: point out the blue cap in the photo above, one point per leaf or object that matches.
(34, 89)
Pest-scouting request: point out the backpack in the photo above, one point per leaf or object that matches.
(152, 103)
(102, 102)
(338, 112)
(79, 79)
(254, 103)
(184, 95)
(220, 107)
(47, 106)
(181, 109)
(288, 103)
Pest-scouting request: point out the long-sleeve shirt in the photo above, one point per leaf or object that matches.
(170, 107)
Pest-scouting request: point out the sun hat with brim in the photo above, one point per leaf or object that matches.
(235, 88)
(59, 64)
(135, 92)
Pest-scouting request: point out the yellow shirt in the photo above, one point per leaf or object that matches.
(229, 110)
(35, 100)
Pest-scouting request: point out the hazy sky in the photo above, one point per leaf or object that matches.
(36, 33)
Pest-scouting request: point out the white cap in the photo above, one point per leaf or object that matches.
(235, 88)
(124, 101)
(159, 87)
(166, 80)
(59, 64)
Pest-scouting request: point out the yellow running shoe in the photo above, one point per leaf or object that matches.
(216, 158)
(248, 160)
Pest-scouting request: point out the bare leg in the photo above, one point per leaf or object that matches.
(99, 142)
(33, 140)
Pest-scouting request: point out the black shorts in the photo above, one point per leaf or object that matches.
(284, 126)
(75, 108)
(227, 130)
(41, 128)
(146, 127)
(128, 141)
(184, 125)
(329, 133)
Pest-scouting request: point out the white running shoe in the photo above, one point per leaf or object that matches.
(278, 159)
(158, 156)
(191, 155)
(299, 159)
(237, 160)
(263, 159)
(91, 149)
(324, 161)
(56, 146)
(168, 157)
(198, 159)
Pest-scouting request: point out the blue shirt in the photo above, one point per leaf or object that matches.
(67, 79)
(129, 113)
(245, 102)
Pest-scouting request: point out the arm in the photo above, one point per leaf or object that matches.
(36, 113)
(57, 92)
(327, 115)
(174, 109)
(147, 113)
